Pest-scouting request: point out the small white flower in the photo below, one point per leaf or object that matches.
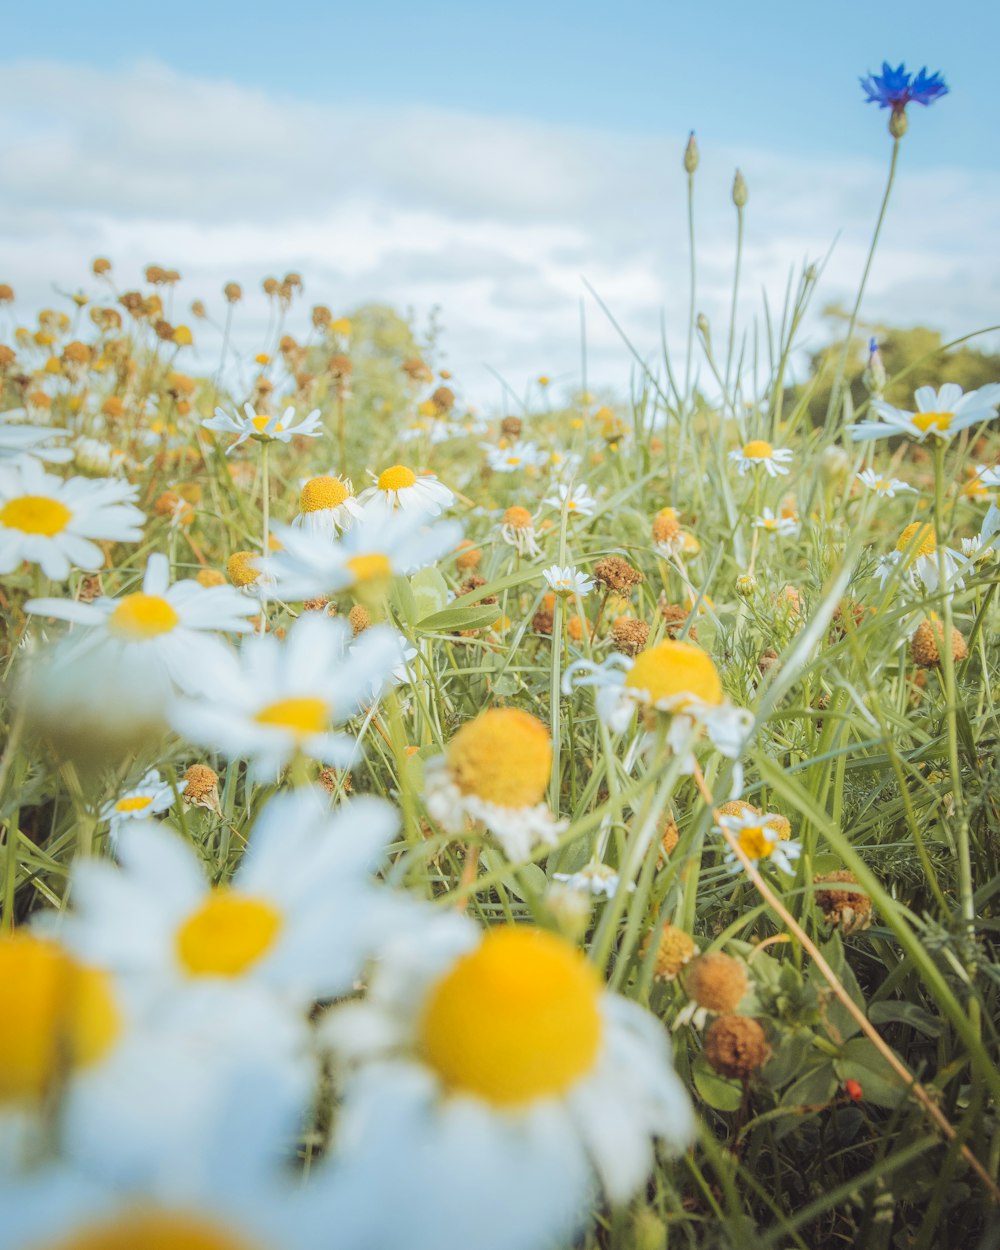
(264, 429)
(885, 487)
(398, 488)
(568, 581)
(521, 455)
(19, 439)
(759, 838)
(161, 633)
(51, 522)
(783, 526)
(150, 797)
(758, 454)
(940, 414)
(577, 500)
(596, 879)
(517, 529)
(327, 506)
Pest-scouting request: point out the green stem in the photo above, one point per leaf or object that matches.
(690, 342)
(838, 381)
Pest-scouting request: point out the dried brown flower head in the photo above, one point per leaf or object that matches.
(736, 1046)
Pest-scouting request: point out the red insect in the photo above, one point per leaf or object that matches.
(853, 1090)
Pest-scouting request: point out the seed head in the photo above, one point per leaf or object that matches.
(716, 982)
(617, 574)
(736, 1046)
(847, 910)
(925, 643)
(629, 635)
(674, 949)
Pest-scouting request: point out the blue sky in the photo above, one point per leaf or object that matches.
(486, 159)
(781, 71)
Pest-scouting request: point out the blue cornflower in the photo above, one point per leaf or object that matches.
(895, 88)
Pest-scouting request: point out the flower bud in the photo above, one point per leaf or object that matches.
(898, 123)
(874, 374)
(740, 194)
(746, 584)
(691, 155)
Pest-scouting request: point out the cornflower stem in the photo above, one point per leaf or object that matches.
(966, 894)
(838, 379)
(914, 1086)
(690, 342)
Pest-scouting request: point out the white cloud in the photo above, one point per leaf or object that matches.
(495, 220)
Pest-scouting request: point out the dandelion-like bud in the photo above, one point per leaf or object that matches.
(201, 786)
(674, 949)
(746, 585)
(233, 292)
(736, 1046)
(925, 643)
(691, 155)
(510, 427)
(716, 982)
(359, 618)
(740, 193)
(100, 266)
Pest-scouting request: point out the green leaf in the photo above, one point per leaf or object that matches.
(816, 1086)
(892, 1012)
(788, 1060)
(860, 1061)
(452, 619)
(718, 1091)
(520, 879)
(430, 592)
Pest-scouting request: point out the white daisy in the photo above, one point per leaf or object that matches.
(161, 633)
(264, 429)
(596, 879)
(517, 529)
(884, 487)
(150, 797)
(520, 455)
(783, 526)
(18, 439)
(496, 770)
(568, 581)
(915, 560)
(940, 414)
(95, 456)
(300, 916)
(759, 838)
(987, 475)
(498, 1064)
(674, 677)
(285, 697)
(51, 522)
(327, 505)
(372, 551)
(577, 500)
(758, 454)
(398, 488)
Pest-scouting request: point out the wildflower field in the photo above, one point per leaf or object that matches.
(573, 825)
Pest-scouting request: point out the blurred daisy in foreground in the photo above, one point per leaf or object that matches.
(18, 439)
(496, 770)
(915, 560)
(498, 1063)
(51, 522)
(327, 505)
(150, 797)
(758, 836)
(568, 581)
(782, 526)
(577, 500)
(517, 529)
(399, 488)
(262, 428)
(677, 679)
(162, 631)
(884, 487)
(369, 554)
(940, 414)
(283, 698)
(299, 917)
(758, 454)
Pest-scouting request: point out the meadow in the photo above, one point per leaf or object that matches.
(567, 826)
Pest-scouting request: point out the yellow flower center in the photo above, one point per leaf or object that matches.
(666, 526)
(227, 935)
(134, 803)
(757, 449)
(754, 842)
(398, 477)
(503, 756)
(321, 493)
(153, 1230)
(36, 514)
(515, 1020)
(55, 1014)
(242, 568)
(917, 539)
(513, 460)
(260, 422)
(676, 671)
(303, 716)
(928, 422)
(138, 617)
(370, 568)
(518, 518)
